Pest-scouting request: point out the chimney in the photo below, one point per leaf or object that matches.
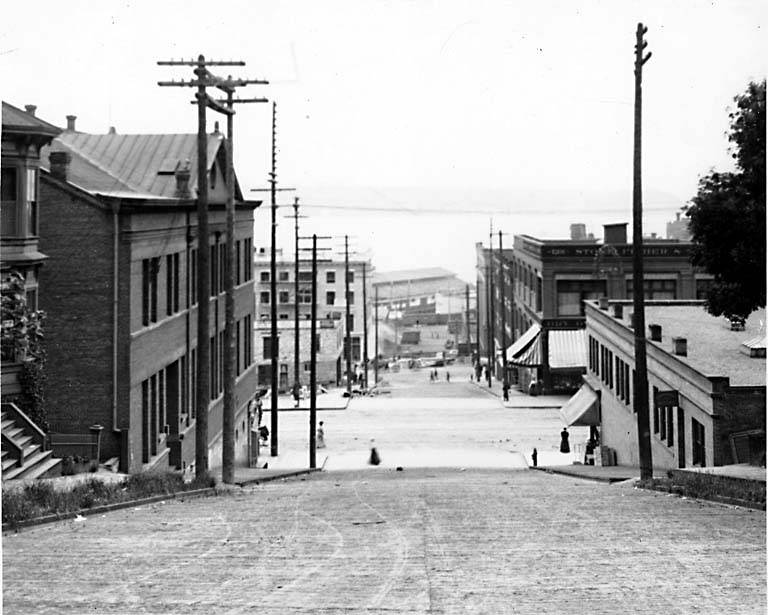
(615, 233)
(71, 123)
(602, 303)
(59, 162)
(30, 109)
(680, 346)
(182, 180)
(655, 332)
(112, 130)
(216, 128)
(618, 311)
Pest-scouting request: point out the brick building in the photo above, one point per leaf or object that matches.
(331, 312)
(23, 136)
(546, 282)
(706, 385)
(120, 227)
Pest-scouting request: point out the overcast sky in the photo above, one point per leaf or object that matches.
(519, 98)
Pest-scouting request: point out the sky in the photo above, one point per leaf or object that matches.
(410, 124)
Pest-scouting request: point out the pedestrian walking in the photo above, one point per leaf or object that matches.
(374, 458)
(447, 376)
(506, 391)
(564, 446)
(320, 436)
(296, 394)
(535, 457)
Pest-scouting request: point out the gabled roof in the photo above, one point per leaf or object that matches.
(17, 121)
(133, 164)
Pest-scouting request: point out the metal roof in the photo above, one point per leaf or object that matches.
(141, 164)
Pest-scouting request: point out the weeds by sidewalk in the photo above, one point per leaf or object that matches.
(39, 499)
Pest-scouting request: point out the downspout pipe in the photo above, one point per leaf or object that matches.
(115, 305)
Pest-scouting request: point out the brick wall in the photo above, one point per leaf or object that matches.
(76, 294)
(738, 409)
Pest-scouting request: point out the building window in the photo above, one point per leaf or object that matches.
(351, 277)
(247, 259)
(193, 277)
(305, 276)
(282, 316)
(351, 322)
(698, 449)
(248, 339)
(351, 298)
(264, 276)
(330, 277)
(670, 425)
(356, 355)
(172, 284)
(32, 201)
(267, 343)
(264, 296)
(9, 205)
(655, 289)
(149, 269)
(571, 294)
(330, 298)
(305, 295)
(284, 296)
(655, 411)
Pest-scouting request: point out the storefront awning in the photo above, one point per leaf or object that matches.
(582, 409)
(567, 348)
(523, 342)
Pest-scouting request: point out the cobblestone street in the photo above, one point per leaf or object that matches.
(381, 541)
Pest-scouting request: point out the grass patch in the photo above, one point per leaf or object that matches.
(41, 498)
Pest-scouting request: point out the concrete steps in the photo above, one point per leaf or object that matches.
(37, 463)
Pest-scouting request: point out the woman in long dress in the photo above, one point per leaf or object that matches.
(564, 446)
(320, 439)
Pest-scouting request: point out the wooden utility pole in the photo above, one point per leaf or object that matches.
(296, 314)
(204, 79)
(365, 332)
(273, 292)
(313, 362)
(347, 322)
(640, 397)
(491, 315)
(503, 308)
(230, 343)
(376, 336)
(469, 333)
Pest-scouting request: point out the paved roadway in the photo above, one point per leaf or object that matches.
(424, 424)
(425, 540)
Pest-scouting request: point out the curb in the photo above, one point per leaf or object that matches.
(85, 512)
(267, 479)
(601, 479)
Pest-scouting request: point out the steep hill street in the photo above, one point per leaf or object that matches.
(481, 534)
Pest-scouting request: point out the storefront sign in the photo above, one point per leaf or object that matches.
(624, 251)
(563, 323)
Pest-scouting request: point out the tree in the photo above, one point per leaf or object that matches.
(727, 215)
(21, 340)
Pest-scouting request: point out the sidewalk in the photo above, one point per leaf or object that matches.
(332, 400)
(518, 399)
(607, 474)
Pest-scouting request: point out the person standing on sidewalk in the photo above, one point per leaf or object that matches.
(374, 458)
(506, 391)
(564, 446)
(320, 436)
(447, 376)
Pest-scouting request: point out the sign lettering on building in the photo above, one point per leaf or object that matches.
(563, 323)
(590, 251)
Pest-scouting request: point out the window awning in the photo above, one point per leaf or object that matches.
(582, 409)
(523, 342)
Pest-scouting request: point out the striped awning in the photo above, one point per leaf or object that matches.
(523, 342)
(567, 349)
(581, 409)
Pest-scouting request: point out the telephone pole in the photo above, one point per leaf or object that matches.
(469, 333)
(365, 333)
(376, 336)
(296, 314)
(638, 291)
(230, 344)
(312, 358)
(273, 291)
(204, 79)
(503, 309)
(346, 301)
(491, 314)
